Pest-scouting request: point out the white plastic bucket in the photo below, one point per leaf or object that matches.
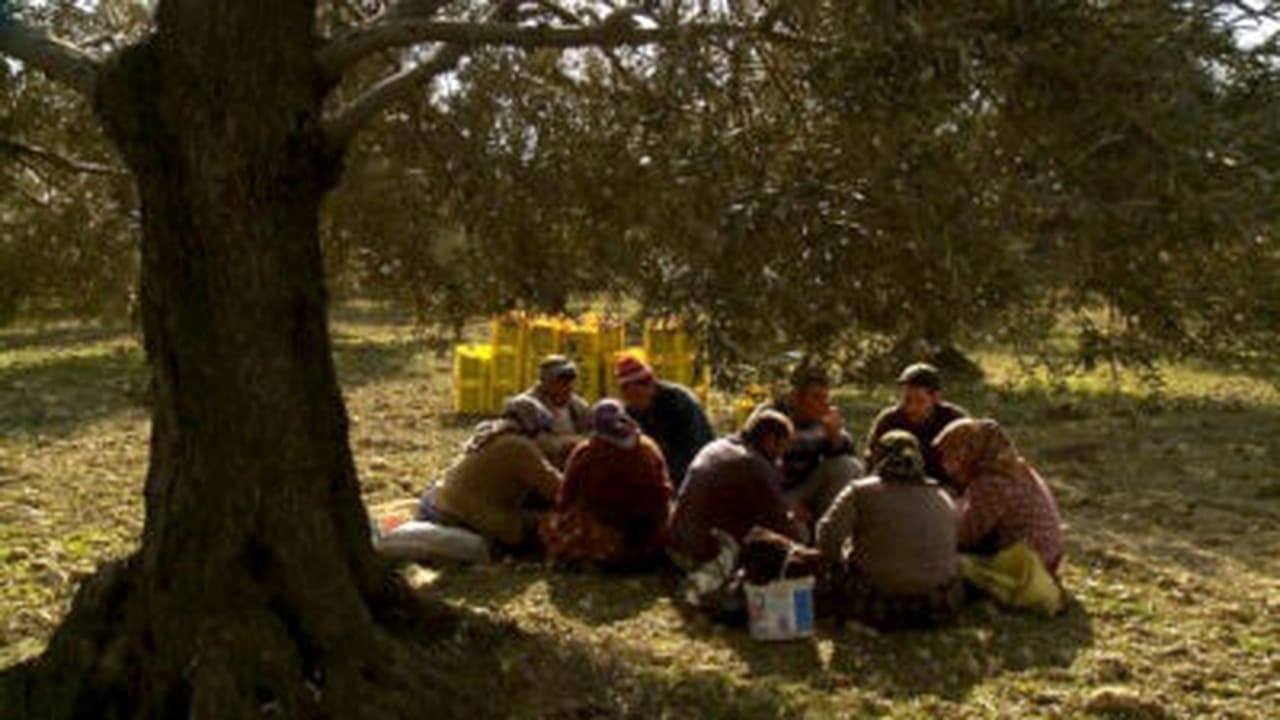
(780, 610)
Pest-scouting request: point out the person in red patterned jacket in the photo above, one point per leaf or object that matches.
(613, 507)
(1004, 500)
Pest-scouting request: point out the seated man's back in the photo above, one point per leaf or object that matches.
(904, 541)
(730, 486)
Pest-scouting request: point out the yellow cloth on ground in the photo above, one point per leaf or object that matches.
(1016, 578)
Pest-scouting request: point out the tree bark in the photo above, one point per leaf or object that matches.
(256, 590)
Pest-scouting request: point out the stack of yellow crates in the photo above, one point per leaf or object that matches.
(613, 340)
(510, 338)
(472, 369)
(582, 341)
(485, 375)
(545, 337)
(674, 354)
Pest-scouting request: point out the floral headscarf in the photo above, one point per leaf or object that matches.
(611, 423)
(520, 414)
(982, 446)
(897, 456)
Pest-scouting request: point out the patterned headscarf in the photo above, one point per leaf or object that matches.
(520, 414)
(896, 456)
(982, 446)
(610, 422)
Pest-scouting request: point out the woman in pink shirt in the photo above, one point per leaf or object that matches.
(1003, 499)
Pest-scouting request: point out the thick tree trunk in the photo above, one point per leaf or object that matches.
(256, 589)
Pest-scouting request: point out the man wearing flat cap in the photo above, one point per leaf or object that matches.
(571, 415)
(922, 412)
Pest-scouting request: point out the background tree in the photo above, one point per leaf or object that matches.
(67, 216)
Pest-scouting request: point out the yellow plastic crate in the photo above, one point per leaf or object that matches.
(510, 338)
(613, 333)
(544, 338)
(613, 339)
(583, 342)
(747, 403)
(667, 337)
(676, 368)
(510, 330)
(472, 368)
(507, 375)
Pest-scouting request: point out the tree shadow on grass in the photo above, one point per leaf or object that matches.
(949, 662)
(536, 674)
(601, 598)
(58, 337)
(487, 586)
(58, 395)
(946, 662)
(480, 666)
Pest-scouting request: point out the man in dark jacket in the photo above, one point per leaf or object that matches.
(921, 412)
(667, 412)
(819, 461)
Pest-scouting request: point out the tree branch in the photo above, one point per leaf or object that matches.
(350, 48)
(21, 149)
(343, 125)
(403, 25)
(58, 60)
(346, 122)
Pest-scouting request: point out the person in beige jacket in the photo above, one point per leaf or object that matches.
(488, 489)
(889, 541)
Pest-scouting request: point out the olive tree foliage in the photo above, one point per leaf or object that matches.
(67, 216)
(878, 180)
(865, 180)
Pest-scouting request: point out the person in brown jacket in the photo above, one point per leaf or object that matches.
(488, 488)
(733, 485)
(889, 541)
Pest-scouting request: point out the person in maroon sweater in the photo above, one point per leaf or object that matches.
(733, 485)
(613, 506)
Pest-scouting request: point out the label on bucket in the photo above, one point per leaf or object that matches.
(802, 599)
(781, 610)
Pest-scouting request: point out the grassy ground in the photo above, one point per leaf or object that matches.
(1173, 503)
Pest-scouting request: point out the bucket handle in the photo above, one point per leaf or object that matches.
(786, 563)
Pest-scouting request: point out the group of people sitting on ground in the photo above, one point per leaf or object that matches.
(938, 502)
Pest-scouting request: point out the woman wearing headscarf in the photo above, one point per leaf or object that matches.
(489, 488)
(889, 542)
(1009, 522)
(1003, 499)
(613, 507)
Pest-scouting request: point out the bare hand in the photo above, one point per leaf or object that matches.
(833, 423)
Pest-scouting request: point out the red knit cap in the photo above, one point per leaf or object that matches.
(631, 369)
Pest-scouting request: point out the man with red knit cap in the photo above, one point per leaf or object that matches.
(667, 412)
